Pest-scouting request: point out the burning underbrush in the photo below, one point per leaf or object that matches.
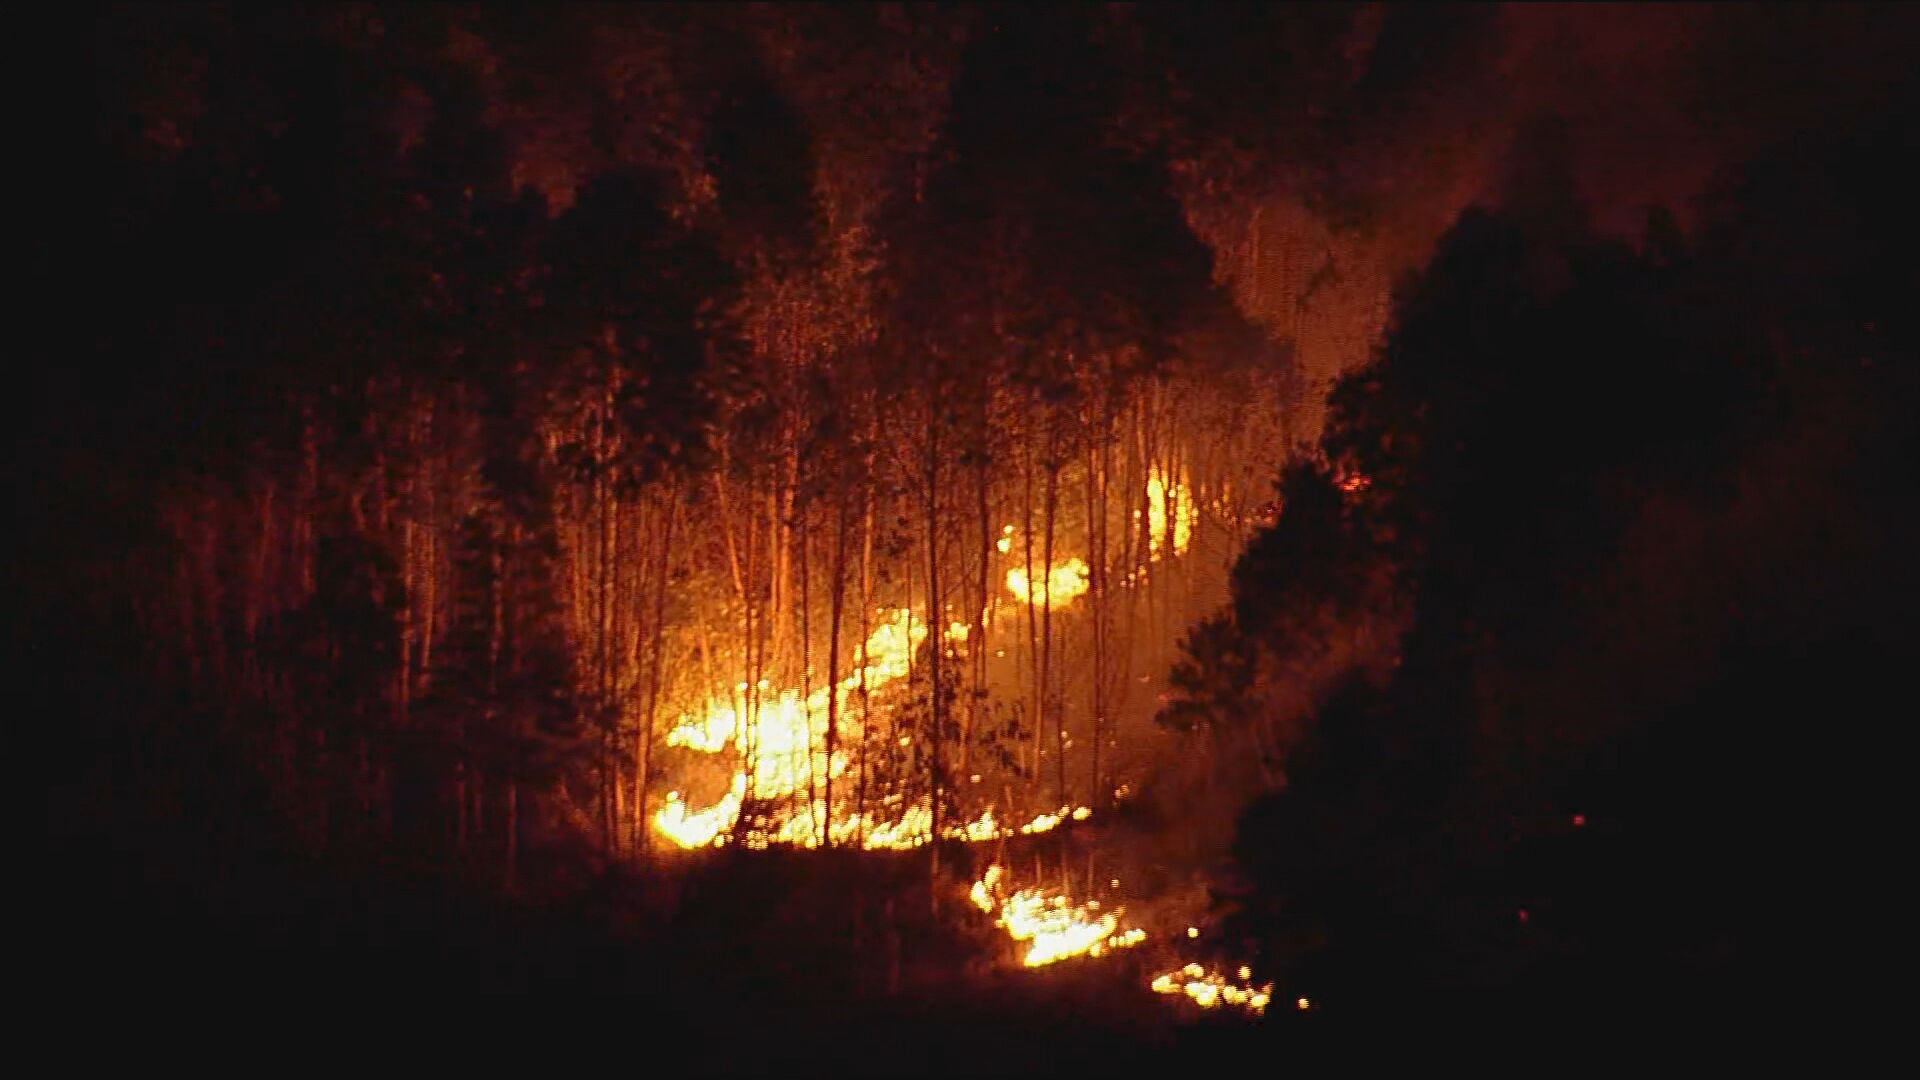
(1050, 925)
(1051, 919)
(1036, 912)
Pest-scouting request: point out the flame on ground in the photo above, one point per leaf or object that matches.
(779, 736)
(1055, 927)
(781, 742)
(697, 828)
(1210, 989)
(1066, 582)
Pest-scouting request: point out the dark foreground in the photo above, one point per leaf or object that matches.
(794, 963)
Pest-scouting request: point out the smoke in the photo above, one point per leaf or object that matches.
(1320, 151)
(1444, 109)
(1654, 100)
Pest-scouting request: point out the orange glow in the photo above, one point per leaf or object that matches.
(1211, 990)
(1051, 923)
(1066, 582)
(983, 890)
(784, 735)
(1168, 501)
(697, 828)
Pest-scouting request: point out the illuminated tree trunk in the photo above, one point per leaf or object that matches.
(1034, 683)
(836, 599)
(726, 524)
(936, 627)
(782, 543)
(1051, 705)
(656, 649)
(749, 715)
(908, 778)
(977, 618)
(867, 613)
(1096, 598)
(604, 598)
(812, 790)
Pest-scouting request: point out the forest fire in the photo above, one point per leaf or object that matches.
(1056, 929)
(782, 739)
(784, 734)
(785, 742)
(1065, 583)
(1168, 503)
(1209, 989)
(849, 504)
(1052, 925)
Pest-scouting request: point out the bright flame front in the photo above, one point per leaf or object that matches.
(779, 735)
(1052, 924)
(1168, 504)
(779, 739)
(1066, 582)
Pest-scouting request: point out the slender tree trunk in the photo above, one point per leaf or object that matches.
(977, 622)
(782, 543)
(866, 661)
(812, 789)
(1096, 580)
(836, 598)
(936, 633)
(650, 722)
(748, 743)
(603, 495)
(726, 525)
(1046, 613)
(1035, 714)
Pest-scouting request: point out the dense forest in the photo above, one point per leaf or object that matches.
(539, 494)
(1408, 504)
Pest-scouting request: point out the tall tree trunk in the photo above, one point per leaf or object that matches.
(866, 661)
(603, 495)
(1036, 700)
(977, 620)
(804, 534)
(1046, 613)
(1096, 583)
(749, 707)
(836, 598)
(649, 723)
(936, 632)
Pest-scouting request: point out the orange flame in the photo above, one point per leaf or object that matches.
(783, 736)
(1210, 989)
(1168, 501)
(1066, 582)
(1055, 927)
(778, 734)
